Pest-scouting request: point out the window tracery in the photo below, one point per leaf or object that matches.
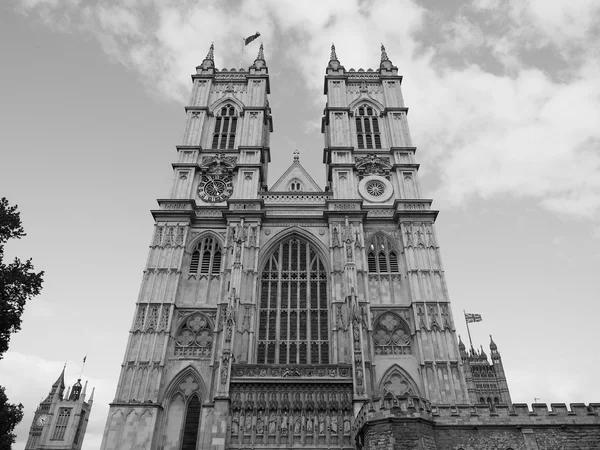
(293, 318)
(382, 258)
(391, 335)
(367, 128)
(225, 128)
(295, 186)
(195, 337)
(206, 257)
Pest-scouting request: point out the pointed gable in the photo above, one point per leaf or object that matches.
(295, 173)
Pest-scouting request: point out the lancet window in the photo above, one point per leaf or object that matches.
(391, 335)
(225, 128)
(206, 257)
(367, 128)
(192, 422)
(293, 320)
(61, 424)
(295, 186)
(382, 258)
(194, 337)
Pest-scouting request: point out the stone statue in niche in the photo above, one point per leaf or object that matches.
(309, 425)
(272, 424)
(336, 237)
(346, 425)
(235, 423)
(322, 423)
(333, 425)
(248, 424)
(298, 424)
(260, 426)
(284, 423)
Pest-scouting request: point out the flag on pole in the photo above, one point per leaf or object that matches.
(470, 317)
(84, 358)
(251, 38)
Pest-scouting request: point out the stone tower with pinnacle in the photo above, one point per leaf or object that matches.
(61, 419)
(293, 316)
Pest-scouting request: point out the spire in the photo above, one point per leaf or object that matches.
(92, 396)
(209, 61)
(296, 156)
(483, 354)
(384, 56)
(334, 62)
(58, 387)
(385, 61)
(211, 52)
(493, 346)
(333, 56)
(261, 54)
(259, 62)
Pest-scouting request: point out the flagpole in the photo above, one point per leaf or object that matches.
(82, 366)
(242, 55)
(468, 331)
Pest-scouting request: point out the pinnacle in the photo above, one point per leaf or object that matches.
(296, 155)
(333, 56)
(493, 346)
(384, 56)
(261, 54)
(211, 53)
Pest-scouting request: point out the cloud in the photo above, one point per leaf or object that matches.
(504, 95)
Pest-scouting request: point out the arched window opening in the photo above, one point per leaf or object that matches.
(386, 261)
(225, 128)
(192, 423)
(295, 186)
(293, 320)
(367, 128)
(481, 400)
(496, 401)
(391, 335)
(211, 253)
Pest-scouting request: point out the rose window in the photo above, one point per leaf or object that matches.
(376, 188)
(194, 338)
(391, 335)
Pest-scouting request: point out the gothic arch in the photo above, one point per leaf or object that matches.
(193, 242)
(396, 382)
(293, 308)
(382, 234)
(183, 378)
(218, 104)
(368, 101)
(301, 233)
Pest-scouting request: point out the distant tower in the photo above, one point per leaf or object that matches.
(61, 420)
(486, 382)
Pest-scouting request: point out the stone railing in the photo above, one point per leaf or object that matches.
(258, 372)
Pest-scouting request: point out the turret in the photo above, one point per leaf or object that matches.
(461, 349)
(209, 61)
(259, 62)
(76, 390)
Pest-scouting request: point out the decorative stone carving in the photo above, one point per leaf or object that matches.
(194, 337)
(373, 165)
(391, 335)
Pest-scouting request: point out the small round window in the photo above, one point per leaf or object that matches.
(375, 188)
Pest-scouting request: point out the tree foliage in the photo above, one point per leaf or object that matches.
(18, 284)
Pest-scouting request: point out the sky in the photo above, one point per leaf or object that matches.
(504, 108)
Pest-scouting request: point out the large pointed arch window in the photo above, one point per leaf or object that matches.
(382, 257)
(367, 128)
(225, 128)
(206, 257)
(293, 321)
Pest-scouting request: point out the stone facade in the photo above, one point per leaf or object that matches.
(296, 317)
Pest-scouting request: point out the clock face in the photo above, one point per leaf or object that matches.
(215, 188)
(41, 420)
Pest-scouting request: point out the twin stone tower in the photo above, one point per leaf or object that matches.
(296, 317)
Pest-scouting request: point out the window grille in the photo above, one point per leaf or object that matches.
(293, 318)
(61, 424)
(367, 128)
(211, 253)
(225, 128)
(192, 423)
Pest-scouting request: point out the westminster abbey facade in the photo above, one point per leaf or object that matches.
(291, 316)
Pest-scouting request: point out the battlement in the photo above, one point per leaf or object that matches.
(518, 414)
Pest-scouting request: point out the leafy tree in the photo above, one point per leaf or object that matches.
(18, 283)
